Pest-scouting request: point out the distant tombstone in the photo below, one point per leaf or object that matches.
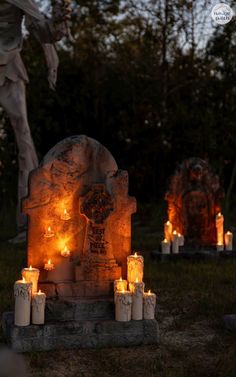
(194, 198)
(79, 215)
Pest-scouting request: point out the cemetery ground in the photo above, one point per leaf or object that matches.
(193, 296)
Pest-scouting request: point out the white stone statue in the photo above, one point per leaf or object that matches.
(13, 75)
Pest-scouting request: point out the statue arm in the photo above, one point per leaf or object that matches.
(46, 30)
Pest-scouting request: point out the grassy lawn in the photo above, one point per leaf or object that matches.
(192, 298)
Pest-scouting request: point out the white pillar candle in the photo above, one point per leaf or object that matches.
(220, 229)
(165, 246)
(123, 305)
(181, 239)
(175, 243)
(168, 231)
(38, 308)
(229, 241)
(149, 305)
(120, 285)
(219, 247)
(137, 289)
(135, 268)
(22, 293)
(31, 275)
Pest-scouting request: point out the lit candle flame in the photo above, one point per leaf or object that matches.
(65, 215)
(23, 280)
(135, 254)
(39, 292)
(165, 240)
(49, 261)
(120, 278)
(149, 292)
(136, 280)
(219, 214)
(65, 252)
(168, 222)
(123, 291)
(229, 232)
(30, 267)
(49, 229)
(174, 232)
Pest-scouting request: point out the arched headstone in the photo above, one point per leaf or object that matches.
(194, 198)
(79, 214)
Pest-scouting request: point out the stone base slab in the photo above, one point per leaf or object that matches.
(79, 334)
(194, 255)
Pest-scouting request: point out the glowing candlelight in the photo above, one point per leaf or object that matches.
(120, 285)
(181, 239)
(135, 267)
(137, 289)
(175, 243)
(23, 294)
(65, 252)
(123, 302)
(168, 230)
(220, 228)
(149, 304)
(49, 233)
(229, 241)
(65, 216)
(219, 247)
(49, 266)
(31, 274)
(165, 246)
(38, 308)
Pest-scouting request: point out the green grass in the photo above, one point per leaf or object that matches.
(192, 298)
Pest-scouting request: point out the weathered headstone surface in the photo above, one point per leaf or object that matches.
(78, 200)
(194, 198)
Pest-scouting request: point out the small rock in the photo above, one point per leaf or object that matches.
(230, 322)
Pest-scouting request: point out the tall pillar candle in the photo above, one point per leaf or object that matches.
(135, 268)
(149, 305)
(120, 285)
(31, 275)
(219, 247)
(137, 289)
(38, 308)
(181, 239)
(229, 241)
(175, 243)
(22, 293)
(165, 246)
(168, 231)
(220, 228)
(123, 306)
